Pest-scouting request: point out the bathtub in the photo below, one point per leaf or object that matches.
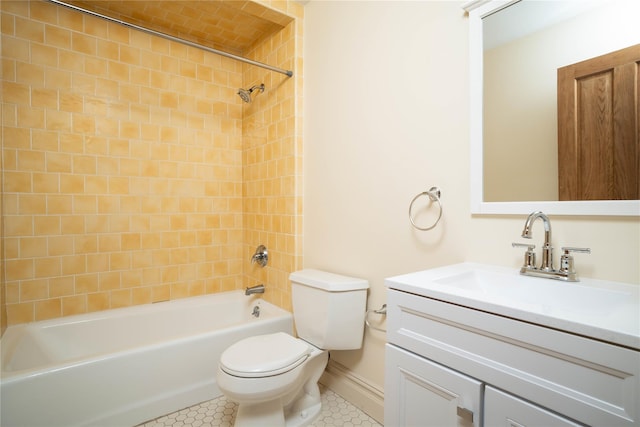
(125, 366)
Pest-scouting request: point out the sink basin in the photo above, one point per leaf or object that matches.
(547, 295)
(605, 310)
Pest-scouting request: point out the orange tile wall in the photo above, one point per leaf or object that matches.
(124, 165)
(272, 165)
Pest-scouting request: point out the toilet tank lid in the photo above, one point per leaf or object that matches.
(330, 282)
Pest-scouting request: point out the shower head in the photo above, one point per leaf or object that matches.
(245, 94)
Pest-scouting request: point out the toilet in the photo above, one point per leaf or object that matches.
(274, 377)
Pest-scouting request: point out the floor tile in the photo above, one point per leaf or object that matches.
(220, 412)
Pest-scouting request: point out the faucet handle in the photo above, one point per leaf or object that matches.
(529, 246)
(567, 249)
(261, 256)
(566, 260)
(529, 255)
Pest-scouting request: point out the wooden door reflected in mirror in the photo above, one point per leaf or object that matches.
(598, 127)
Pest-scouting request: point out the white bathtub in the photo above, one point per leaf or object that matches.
(124, 366)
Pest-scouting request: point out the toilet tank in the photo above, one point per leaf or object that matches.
(329, 309)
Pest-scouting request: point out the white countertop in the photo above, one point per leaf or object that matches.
(603, 310)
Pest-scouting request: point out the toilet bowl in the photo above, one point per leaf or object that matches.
(274, 377)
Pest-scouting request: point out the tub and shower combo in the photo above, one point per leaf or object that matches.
(125, 366)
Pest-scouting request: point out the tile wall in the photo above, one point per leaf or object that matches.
(124, 165)
(272, 165)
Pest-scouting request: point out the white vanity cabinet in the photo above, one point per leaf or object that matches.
(449, 364)
(422, 393)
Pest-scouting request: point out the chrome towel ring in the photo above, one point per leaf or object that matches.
(434, 196)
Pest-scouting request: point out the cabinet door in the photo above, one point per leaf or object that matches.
(421, 393)
(504, 410)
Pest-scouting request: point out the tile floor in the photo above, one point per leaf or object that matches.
(220, 413)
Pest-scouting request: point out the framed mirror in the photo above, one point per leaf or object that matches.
(515, 169)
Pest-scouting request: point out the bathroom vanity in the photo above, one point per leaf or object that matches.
(477, 345)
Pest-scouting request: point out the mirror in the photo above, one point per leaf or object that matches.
(517, 184)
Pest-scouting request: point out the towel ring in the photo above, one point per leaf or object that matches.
(434, 195)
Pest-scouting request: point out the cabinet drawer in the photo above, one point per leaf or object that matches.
(503, 410)
(590, 381)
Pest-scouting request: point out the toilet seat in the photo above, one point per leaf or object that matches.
(264, 355)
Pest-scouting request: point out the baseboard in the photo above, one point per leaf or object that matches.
(366, 397)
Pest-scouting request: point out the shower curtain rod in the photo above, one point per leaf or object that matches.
(176, 39)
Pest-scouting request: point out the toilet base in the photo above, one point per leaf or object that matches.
(304, 410)
(260, 415)
(301, 413)
(304, 417)
(298, 409)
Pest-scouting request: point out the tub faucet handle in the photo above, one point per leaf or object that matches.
(261, 256)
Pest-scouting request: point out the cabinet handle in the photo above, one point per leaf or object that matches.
(465, 414)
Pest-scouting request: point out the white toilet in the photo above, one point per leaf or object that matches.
(274, 377)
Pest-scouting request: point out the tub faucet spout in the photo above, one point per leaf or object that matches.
(259, 289)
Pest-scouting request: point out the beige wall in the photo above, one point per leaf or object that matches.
(123, 164)
(386, 117)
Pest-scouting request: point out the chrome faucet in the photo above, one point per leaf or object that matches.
(566, 272)
(547, 249)
(259, 289)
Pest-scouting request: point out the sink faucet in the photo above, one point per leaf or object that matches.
(547, 249)
(259, 289)
(566, 272)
